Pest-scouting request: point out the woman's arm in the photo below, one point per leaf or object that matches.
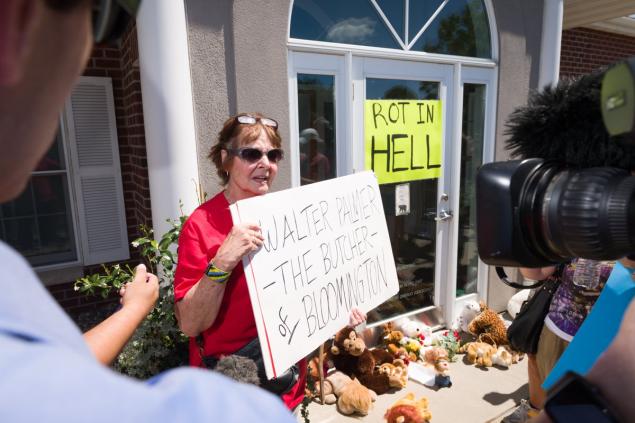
(199, 307)
(537, 273)
(109, 337)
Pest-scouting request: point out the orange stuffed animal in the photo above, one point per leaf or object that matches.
(409, 410)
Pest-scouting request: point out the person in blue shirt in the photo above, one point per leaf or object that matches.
(48, 369)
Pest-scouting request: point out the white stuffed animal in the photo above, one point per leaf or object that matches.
(470, 310)
(416, 330)
(502, 357)
(516, 301)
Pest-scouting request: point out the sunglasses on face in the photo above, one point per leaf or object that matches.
(110, 18)
(250, 120)
(252, 155)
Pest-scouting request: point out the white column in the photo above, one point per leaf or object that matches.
(168, 109)
(550, 43)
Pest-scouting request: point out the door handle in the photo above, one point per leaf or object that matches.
(444, 215)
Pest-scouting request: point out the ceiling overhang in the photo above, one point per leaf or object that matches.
(586, 12)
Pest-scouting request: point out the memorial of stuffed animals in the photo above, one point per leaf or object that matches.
(407, 352)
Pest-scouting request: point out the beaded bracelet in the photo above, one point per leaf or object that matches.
(216, 274)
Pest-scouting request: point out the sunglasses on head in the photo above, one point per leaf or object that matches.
(110, 18)
(252, 155)
(250, 120)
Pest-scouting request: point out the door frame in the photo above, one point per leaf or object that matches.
(470, 75)
(370, 67)
(350, 71)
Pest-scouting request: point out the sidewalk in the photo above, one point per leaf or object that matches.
(477, 396)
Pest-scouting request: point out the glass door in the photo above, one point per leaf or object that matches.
(411, 101)
(477, 100)
(439, 146)
(318, 92)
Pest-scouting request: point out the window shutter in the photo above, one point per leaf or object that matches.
(92, 130)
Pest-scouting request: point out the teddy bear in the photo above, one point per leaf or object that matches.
(479, 353)
(397, 372)
(315, 394)
(416, 330)
(516, 355)
(391, 340)
(502, 357)
(506, 356)
(350, 355)
(516, 301)
(489, 327)
(431, 355)
(409, 410)
(412, 347)
(352, 396)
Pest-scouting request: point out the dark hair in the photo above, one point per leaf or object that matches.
(235, 134)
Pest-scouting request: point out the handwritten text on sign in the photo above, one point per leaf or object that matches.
(326, 250)
(403, 139)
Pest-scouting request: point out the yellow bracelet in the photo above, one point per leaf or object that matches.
(216, 274)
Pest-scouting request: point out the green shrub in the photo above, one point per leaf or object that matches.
(157, 344)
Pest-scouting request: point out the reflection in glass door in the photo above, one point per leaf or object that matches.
(472, 137)
(410, 208)
(316, 119)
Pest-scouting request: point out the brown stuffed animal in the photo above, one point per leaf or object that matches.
(479, 353)
(409, 410)
(391, 339)
(350, 355)
(397, 372)
(352, 396)
(329, 394)
(434, 354)
(489, 327)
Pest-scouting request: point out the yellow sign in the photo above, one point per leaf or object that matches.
(403, 139)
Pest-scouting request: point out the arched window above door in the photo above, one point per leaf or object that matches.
(457, 27)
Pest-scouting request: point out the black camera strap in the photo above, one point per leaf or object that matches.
(503, 277)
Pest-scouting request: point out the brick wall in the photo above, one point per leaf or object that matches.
(121, 63)
(584, 50)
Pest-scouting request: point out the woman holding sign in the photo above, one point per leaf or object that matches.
(212, 299)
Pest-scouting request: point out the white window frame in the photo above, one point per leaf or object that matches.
(302, 63)
(68, 135)
(68, 171)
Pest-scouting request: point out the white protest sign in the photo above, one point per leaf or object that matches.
(326, 251)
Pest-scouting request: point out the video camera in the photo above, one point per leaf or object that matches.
(536, 212)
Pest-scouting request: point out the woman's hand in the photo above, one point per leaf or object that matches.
(357, 317)
(243, 239)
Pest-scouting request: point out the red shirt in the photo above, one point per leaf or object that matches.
(201, 236)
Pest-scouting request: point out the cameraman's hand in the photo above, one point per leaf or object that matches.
(141, 292)
(137, 298)
(630, 265)
(616, 364)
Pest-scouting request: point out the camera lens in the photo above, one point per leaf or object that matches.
(579, 213)
(534, 213)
